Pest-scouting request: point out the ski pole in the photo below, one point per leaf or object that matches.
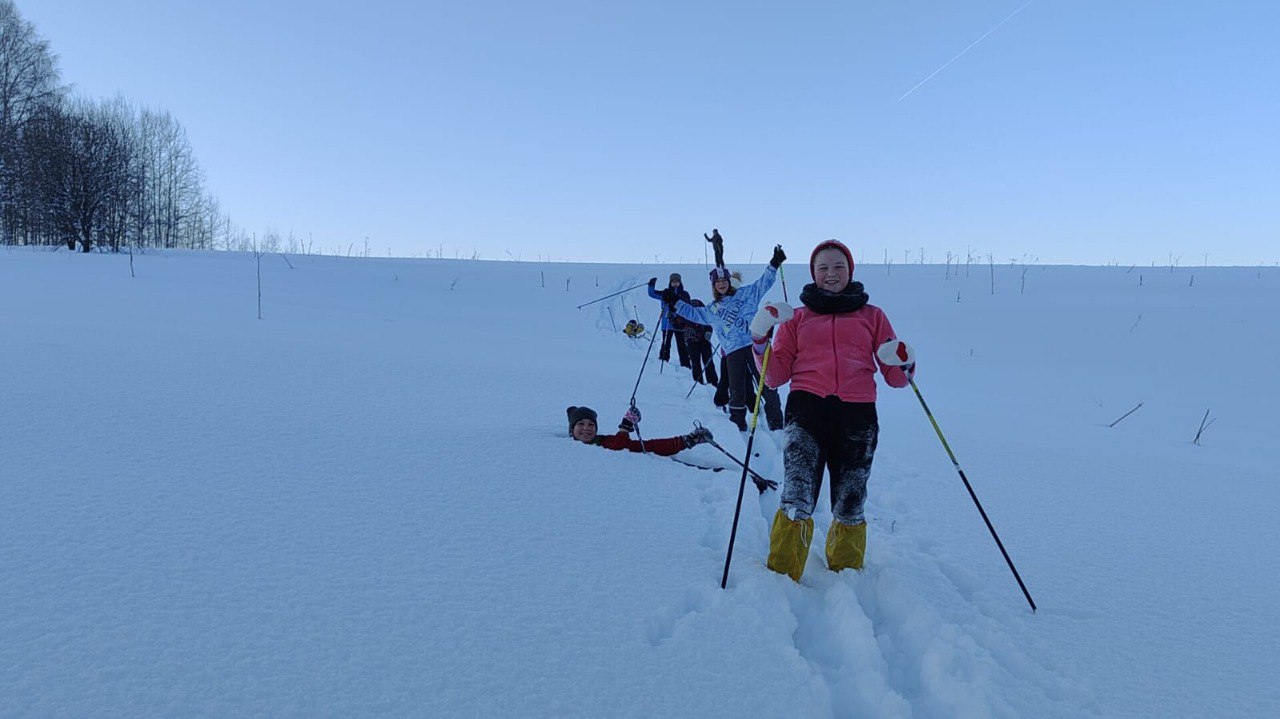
(742, 484)
(761, 482)
(783, 277)
(710, 362)
(615, 294)
(652, 337)
(611, 322)
(661, 313)
(973, 496)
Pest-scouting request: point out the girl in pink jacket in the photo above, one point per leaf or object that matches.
(830, 351)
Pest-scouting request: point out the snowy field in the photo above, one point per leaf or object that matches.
(367, 503)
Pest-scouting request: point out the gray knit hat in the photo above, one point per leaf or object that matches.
(577, 414)
(675, 277)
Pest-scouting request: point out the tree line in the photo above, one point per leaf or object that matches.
(93, 174)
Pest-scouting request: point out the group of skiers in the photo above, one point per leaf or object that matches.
(829, 350)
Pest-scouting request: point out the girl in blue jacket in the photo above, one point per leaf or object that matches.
(730, 314)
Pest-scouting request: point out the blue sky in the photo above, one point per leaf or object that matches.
(1077, 132)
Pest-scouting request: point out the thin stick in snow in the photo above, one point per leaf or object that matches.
(258, 256)
(1126, 414)
(286, 260)
(1203, 426)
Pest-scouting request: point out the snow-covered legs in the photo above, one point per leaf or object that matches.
(827, 435)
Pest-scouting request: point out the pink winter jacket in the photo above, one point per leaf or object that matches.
(833, 354)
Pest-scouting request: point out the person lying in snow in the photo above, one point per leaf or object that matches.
(582, 427)
(830, 351)
(633, 329)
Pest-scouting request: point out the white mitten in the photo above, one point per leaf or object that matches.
(770, 315)
(896, 353)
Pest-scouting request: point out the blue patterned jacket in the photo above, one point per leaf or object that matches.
(731, 315)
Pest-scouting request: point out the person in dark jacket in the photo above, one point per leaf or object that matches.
(717, 243)
(673, 325)
(582, 427)
(697, 338)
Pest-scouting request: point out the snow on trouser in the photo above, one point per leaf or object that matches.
(825, 434)
(846, 545)
(789, 544)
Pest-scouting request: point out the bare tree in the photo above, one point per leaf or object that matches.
(80, 160)
(83, 173)
(29, 84)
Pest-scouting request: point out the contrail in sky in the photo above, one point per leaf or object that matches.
(967, 49)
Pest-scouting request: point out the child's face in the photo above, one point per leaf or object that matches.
(584, 430)
(721, 286)
(831, 270)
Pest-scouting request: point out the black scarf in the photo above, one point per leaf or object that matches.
(823, 302)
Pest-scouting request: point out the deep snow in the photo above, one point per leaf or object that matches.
(367, 503)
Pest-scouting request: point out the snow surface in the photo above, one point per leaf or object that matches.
(367, 503)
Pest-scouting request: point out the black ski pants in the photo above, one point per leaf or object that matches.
(825, 434)
(722, 386)
(664, 354)
(700, 359)
(744, 377)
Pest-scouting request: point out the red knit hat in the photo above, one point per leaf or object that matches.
(827, 245)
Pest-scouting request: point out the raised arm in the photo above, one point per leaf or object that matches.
(694, 314)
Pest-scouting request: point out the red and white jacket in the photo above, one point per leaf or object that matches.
(833, 354)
